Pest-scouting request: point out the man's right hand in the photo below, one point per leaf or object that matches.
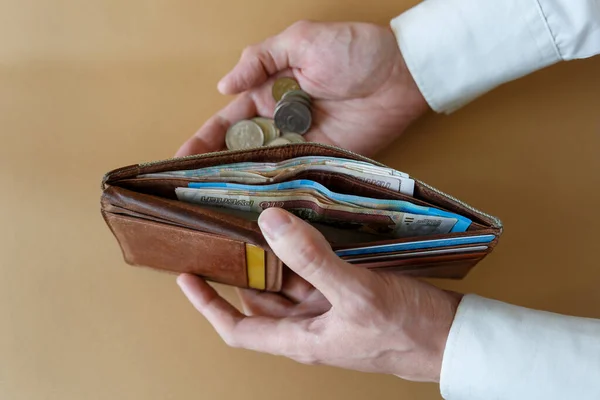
(331, 312)
(364, 95)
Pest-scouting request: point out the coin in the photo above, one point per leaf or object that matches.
(283, 85)
(244, 135)
(294, 99)
(278, 142)
(297, 94)
(268, 127)
(293, 117)
(293, 137)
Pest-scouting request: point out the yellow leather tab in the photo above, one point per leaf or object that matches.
(255, 263)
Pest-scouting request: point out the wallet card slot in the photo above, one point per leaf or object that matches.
(420, 265)
(451, 269)
(466, 250)
(486, 237)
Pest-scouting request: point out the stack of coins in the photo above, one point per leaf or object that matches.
(292, 117)
(293, 110)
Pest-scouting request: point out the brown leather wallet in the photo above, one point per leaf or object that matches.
(156, 230)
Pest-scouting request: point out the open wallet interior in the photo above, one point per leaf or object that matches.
(154, 229)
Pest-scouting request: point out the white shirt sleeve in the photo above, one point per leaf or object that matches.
(458, 50)
(500, 351)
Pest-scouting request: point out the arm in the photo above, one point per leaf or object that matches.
(500, 351)
(457, 50)
(339, 314)
(336, 314)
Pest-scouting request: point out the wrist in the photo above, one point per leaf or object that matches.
(404, 85)
(427, 336)
(440, 338)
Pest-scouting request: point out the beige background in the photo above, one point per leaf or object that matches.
(87, 86)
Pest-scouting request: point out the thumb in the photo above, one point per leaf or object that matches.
(304, 250)
(260, 61)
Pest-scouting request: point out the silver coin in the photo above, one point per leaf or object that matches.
(279, 105)
(292, 99)
(268, 127)
(293, 117)
(278, 142)
(244, 135)
(297, 99)
(297, 94)
(293, 137)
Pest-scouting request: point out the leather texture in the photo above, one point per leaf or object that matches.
(173, 248)
(155, 230)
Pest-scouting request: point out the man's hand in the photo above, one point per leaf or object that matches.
(364, 94)
(332, 312)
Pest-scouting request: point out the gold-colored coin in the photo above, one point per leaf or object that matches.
(268, 127)
(278, 142)
(284, 85)
(293, 137)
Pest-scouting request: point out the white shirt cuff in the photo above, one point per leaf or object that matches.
(500, 351)
(457, 50)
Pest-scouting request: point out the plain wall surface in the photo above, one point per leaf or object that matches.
(88, 86)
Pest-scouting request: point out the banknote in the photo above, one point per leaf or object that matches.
(461, 225)
(334, 235)
(293, 162)
(278, 172)
(396, 183)
(308, 207)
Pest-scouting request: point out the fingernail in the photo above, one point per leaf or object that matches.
(274, 222)
(221, 85)
(181, 280)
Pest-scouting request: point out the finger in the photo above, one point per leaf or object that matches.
(211, 136)
(260, 61)
(304, 250)
(288, 336)
(221, 315)
(294, 287)
(265, 304)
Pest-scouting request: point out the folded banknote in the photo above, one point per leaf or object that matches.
(256, 173)
(461, 225)
(312, 206)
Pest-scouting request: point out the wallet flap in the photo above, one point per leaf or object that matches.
(178, 249)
